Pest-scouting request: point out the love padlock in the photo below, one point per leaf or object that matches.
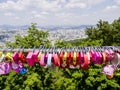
(22, 57)
(108, 70)
(49, 60)
(42, 60)
(23, 70)
(35, 55)
(15, 57)
(30, 59)
(8, 57)
(5, 68)
(17, 66)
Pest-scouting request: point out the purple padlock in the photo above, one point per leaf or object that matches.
(17, 66)
(8, 67)
(5, 68)
(81, 59)
(97, 58)
(100, 58)
(108, 70)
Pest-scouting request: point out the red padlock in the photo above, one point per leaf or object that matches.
(56, 59)
(61, 59)
(22, 57)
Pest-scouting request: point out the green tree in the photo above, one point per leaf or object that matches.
(109, 33)
(62, 43)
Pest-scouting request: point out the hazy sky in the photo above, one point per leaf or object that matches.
(58, 12)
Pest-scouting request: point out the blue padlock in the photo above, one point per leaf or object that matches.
(49, 60)
(23, 70)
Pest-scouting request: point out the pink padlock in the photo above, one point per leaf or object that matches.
(8, 67)
(112, 54)
(96, 58)
(15, 57)
(35, 55)
(42, 60)
(30, 59)
(89, 59)
(100, 58)
(93, 54)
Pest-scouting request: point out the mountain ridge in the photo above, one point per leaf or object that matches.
(25, 27)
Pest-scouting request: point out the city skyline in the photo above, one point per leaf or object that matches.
(58, 12)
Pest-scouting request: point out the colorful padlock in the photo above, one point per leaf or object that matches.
(23, 70)
(22, 57)
(15, 57)
(5, 68)
(85, 65)
(17, 66)
(8, 57)
(55, 59)
(42, 60)
(49, 60)
(108, 70)
(61, 59)
(39, 56)
(64, 60)
(35, 55)
(81, 59)
(30, 59)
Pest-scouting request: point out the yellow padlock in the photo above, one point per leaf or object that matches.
(65, 58)
(9, 57)
(74, 58)
(39, 56)
(1, 54)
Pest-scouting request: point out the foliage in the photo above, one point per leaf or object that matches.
(62, 43)
(90, 42)
(109, 33)
(85, 42)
